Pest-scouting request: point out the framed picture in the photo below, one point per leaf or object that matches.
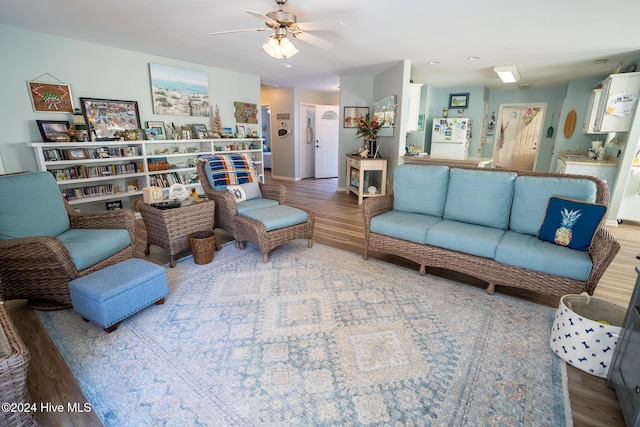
(352, 116)
(76, 153)
(158, 129)
(54, 130)
(108, 117)
(51, 97)
(420, 121)
(458, 101)
(200, 131)
(241, 131)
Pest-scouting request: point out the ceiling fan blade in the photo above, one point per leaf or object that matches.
(263, 17)
(239, 31)
(321, 26)
(312, 40)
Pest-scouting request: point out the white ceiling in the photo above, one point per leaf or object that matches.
(550, 41)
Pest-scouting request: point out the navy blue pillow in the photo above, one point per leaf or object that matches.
(571, 223)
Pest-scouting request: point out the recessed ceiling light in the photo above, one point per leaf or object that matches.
(473, 58)
(434, 62)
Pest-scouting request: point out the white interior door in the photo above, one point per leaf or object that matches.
(326, 141)
(519, 136)
(307, 140)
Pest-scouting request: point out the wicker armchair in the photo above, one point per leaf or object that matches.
(35, 264)
(13, 374)
(243, 228)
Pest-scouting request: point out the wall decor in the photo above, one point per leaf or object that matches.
(385, 109)
(107, 118)
(200, 131)
(51, 97)
(458, 100)
(54, 130)
(283, 116)
(353, 115)
(246, 112)
(420, 122)
(158, 129)
(179, 92)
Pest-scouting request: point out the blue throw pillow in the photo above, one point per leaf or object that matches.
(571, 223)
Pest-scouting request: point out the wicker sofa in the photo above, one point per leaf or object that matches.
(484, 223)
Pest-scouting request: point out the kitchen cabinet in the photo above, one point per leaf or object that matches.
(592, 111)
(89, 172)
(413, 106)
(582, 165)
(617, 101)
(624, 375)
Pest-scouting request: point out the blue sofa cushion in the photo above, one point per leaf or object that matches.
(532, 193)
(420, 189)
(279, 216)
(259, 203)
(81, 244)
(31, 205)
(522, 250)
(570, 223)
(466, 238)
(230, 169)
(408, 226)
(480, 197)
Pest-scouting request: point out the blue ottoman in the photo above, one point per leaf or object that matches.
(114, 293)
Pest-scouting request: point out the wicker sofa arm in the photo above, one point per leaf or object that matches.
(603, 250)
(18, 255)
(374, 206)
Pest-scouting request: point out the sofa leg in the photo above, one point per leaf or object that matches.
(491, 289)
(423, 269)
(111, 328)
(265, 257)
(160, 301)
(310, 243)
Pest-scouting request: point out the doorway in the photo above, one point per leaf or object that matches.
(307, 142)
(326, 141)
(519, 134)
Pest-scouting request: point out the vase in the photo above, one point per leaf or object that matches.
(372, 146)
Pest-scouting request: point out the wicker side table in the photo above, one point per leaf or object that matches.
(170, 228)
(13, 376)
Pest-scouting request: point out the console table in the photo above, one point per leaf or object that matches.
(170, 228)
(624, 375)
(358, 183)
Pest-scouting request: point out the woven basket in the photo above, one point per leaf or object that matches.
(585, 332)
(202, 246)
(158, 166)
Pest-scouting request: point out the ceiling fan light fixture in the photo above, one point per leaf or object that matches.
(507, 74)
(279, 47)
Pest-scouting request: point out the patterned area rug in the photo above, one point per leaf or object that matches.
(318, 337)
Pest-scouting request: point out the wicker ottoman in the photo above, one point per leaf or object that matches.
(112, 294)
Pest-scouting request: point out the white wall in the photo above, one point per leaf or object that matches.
(92, 71)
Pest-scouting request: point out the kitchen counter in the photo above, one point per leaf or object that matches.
(426, 159)
(582, 158)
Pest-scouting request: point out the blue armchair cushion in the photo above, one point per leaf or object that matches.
(532, 193)
(31, 205)
(85, 252)
(571, 223)
(230, 169)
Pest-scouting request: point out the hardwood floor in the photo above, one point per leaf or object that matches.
(339, 224)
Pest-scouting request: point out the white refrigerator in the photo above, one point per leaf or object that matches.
(450, 137)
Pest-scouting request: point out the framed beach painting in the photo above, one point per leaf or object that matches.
(352, 116)
(109, 118)
(179, 92)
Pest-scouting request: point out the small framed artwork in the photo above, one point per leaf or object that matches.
(54, 130)
(352, 116)
(458, 101)
(158, 129)
(51, 97)
(76, 154)
(105, 117)
(114, 205)
(420, 121)
(200, 131)
(241, 131)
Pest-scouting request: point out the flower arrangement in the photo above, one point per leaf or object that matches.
(368, 128)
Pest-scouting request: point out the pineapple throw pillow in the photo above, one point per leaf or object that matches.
(571, 223)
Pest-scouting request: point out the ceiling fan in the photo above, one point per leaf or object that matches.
(285, 23)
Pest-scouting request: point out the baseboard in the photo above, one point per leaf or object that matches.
(285, 178)
(611, 223)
